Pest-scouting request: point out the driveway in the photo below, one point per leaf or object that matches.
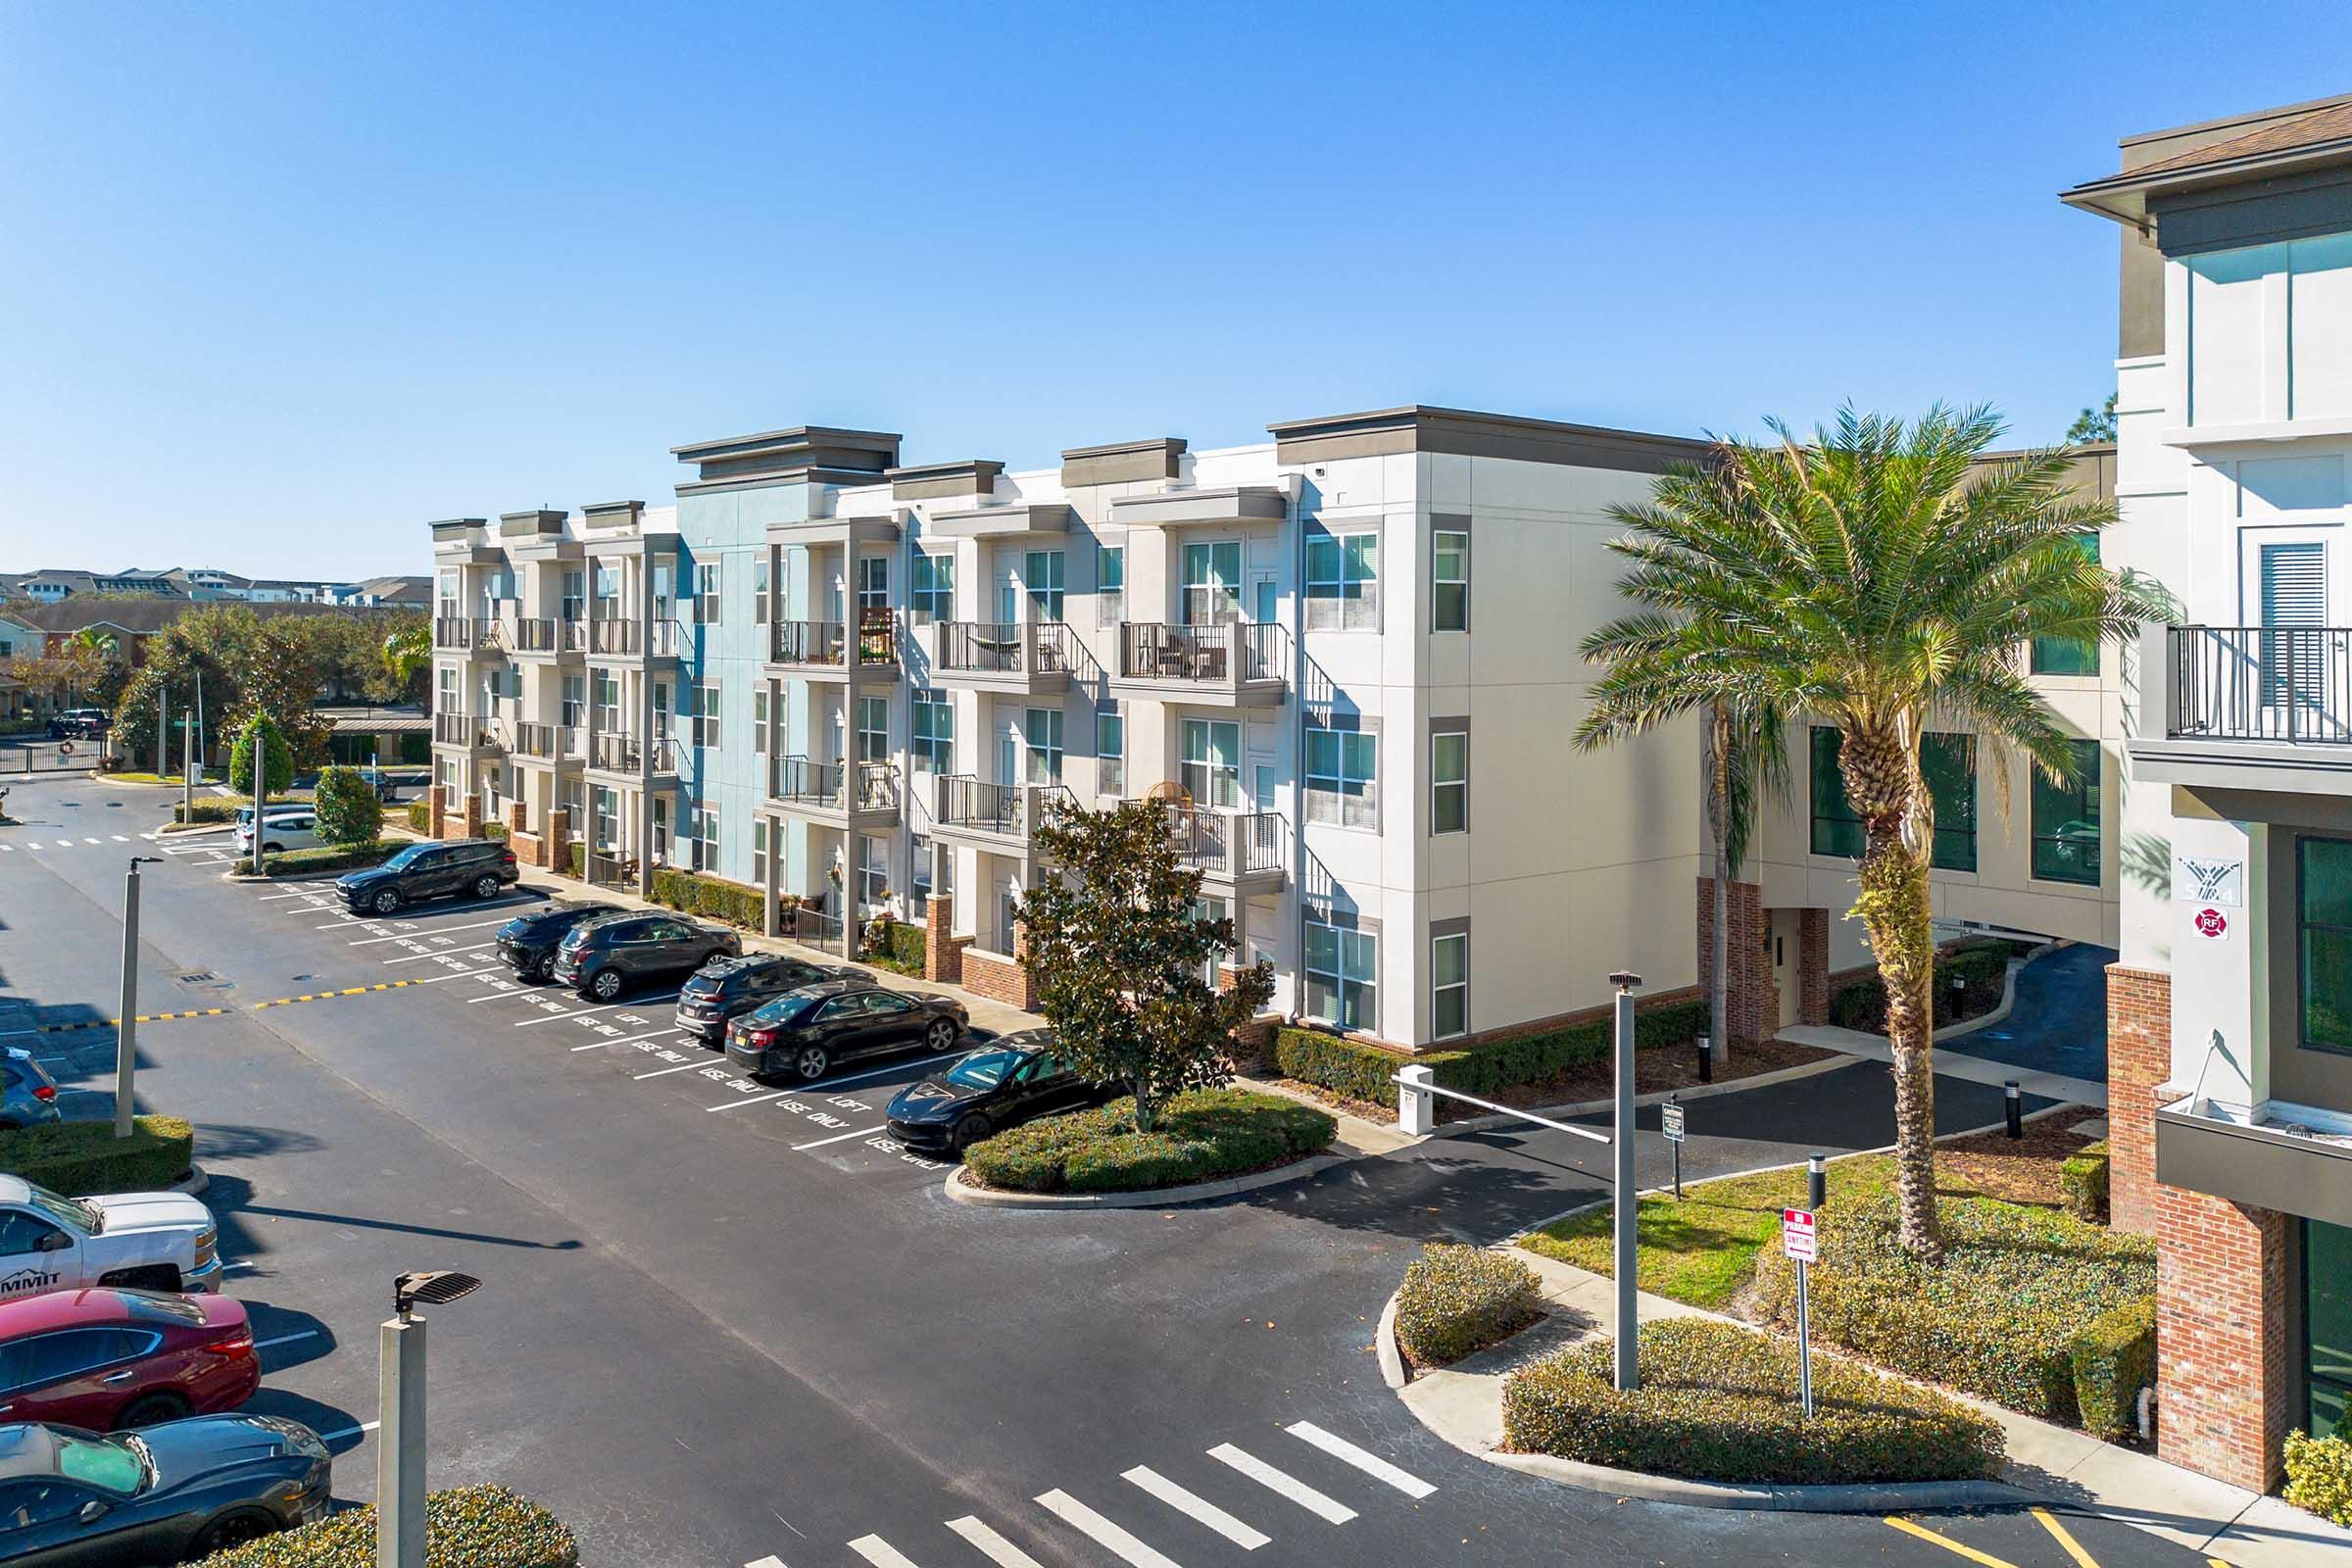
(2059, 1023)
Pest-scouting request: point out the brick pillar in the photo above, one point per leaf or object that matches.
(558, 839)
(942, 955)
(2139, 1063)
(1753, 1013)
(1813, 966)
(2222, 1394)
(519, 836)
(439, 815)
(472, 819)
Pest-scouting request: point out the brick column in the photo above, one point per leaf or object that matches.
(2139, 1063)
(2222, 1396)
(1753, 1011)
(943, 952)
(472, 819)
(439, 815)
(558, 840)
(525, 843)
(1813, 966)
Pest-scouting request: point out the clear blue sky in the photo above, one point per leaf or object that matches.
(283, 282)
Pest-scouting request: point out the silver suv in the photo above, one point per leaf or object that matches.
(27, 1094)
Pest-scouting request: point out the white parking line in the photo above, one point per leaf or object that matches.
(839, 1138)
(881, 1553)
(879, 1072)
(285, 1338)
(996, 1547)
(656, 1034)
(582, 1012)
(1299, 1491)
(442, 952)
(1198, 1507)
(766, 1562)
(518, 990)
(349, 1432)
(93, 841)
(753, 1100)
(304, 894)
(397, 935)
(1079, 1516)
(658, 1071)
(1371, 1464)
(121, 839)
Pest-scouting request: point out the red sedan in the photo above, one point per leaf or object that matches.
(106, 1360)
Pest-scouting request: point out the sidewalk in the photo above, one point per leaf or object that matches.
(1951, 1063)
(1463, 1404)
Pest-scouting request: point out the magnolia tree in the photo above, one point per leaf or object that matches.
(349, 811)
(1119, 953)
(278, 768)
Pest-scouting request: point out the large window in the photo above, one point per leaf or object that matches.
(1449, 580)
(873, 729)
(2066, 821)
(1948, 765)
(873, 583)
(607, 687)
(706, 838)
(934, 587)
(1212, 582)
(759, 719)
(1110, 753)
(759, 851)
(1449, 777)
(706, 595)
(1342, 776)
(873, 872)
(575, 589)
(1343, 965)
(704, 696)
(934, 731)
(574, 709)
(1210, 769)
(2324, 938)
(1110, 584)
(1343, 582)
(2328, 1326)
(2068, 655)
(607, 820)
(1043, 733)
(1041, 573)
(760, 595)
(1450, 983)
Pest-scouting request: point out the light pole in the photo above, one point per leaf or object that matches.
(126, 1030)
(400, 1416)
(1628, 1328)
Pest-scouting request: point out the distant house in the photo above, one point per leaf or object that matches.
(403, 593)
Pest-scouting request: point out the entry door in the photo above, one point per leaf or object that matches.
(1212, 582)
(2298, 666)
(660, 830)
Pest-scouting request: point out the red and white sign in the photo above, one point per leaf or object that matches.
(2212, 923)
(1796, 1234)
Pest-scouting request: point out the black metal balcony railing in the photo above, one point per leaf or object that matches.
(1219, 653)
(612, 637)
(453, 631)
(808, 642)
(572, 635)
(547, 743)
(1004, 647)
(1012, 811)
(460, 729)
(807, 782)
(535, 635)
(1229, 844)
(2261, 683)
(612, 751)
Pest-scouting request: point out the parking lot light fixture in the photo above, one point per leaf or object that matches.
(400, 1414)
(1629, 1327)
(126, 1030)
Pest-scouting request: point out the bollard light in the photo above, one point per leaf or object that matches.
(1817, 1182)
(1706, 1059)
(2013, 1108)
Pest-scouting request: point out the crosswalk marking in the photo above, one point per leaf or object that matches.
(996, 1547)
(93, 841)
(120, 838)
(1080, 1517)
(881, 1553)
(1197, 1506)
(1371, 1464)
(1299, 1491)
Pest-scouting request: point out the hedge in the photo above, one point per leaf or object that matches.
(696, 893)
(23, 726)
(1203, 1135)
(907, 943)
(1719, 1402)
(2319, 1476)
(85, 1157)
(467, 1527)
(1981, 968)
(421, 816)
(330, 857)
(347, 807)
(210, 809)
(1362, 1071)
(1456, 1300)
(2082, 1183)
(1997, 1319)
(2112, 1359)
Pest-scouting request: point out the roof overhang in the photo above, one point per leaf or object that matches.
(2126, 197)
(1044, 517)
(1241, 506)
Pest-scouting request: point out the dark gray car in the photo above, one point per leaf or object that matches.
(480, 868)
(173, 1492)
(27, 1094)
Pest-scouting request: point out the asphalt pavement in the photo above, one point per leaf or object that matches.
(724, 1323)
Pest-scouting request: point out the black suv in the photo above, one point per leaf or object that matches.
(732, 987)
(600, 957)
(527, 942)
(481, 868)
(806, 1032)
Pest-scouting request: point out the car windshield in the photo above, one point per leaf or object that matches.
(152, 1306)
(117, 1464)
(985, 1069)
(71, 1211)
(407, 856)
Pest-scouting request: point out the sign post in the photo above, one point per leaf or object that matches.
(1669, 1122)
(1797, 1240)
(1627, 1216)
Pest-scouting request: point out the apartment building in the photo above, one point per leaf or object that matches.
(1343, 659)
(2229, 1035)
(2016, 855)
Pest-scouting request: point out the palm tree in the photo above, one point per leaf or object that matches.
(408, 653)
(1877, 578)
(97, 639)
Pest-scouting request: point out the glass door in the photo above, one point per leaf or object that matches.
(1211, 772)
(1212, 582)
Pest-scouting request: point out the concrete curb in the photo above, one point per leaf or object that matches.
(1384, 1345)
(194, 1182)
(962, 1191)
(1657, 1097)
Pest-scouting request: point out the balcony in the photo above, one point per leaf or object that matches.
(1032, 657)
(452, 633)
(617, 638)
(614, 751)
(858, 795)
(1240, 851)
(820, 649)
(469, 730)
(997, 818)
(2296, 1160)
(545, 636)
(2245, 708)
(1233, 663)
(549, 743)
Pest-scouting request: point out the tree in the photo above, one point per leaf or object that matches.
(277, 770)
(349, 811)
(1745, 757)
(408, 655)
(1119, 950)
(2092, 424)
(1877, 578)
(281, 678)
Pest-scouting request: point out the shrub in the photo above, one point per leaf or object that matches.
(209, 809)
(2082, 1183)
(696, 893)
(421, 816)
(1362, 1071)
(1718, 1402)
(2112, 1359)
(1459, 1299)
(85, 1157)
(1202, 1135)
(349, 811)
(2319, 1476)
(467, 1527)
(23, 726)
(1980, 965)
(330, 857)
(1997, 1319)
(278, 758)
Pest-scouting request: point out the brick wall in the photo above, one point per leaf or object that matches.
(1752, 1004)
(1813, 966)
(2139, 1063)
(998, 979)
(558, 840)
(943, 952)
(439, 814)
(528, 847)
(2222, 1405)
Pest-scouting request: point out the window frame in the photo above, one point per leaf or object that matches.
(933, 752)
(1442, 931)
(1440, 729)
(1044, 600)
(2304, 924)
(710, 592)
(1443, 527)
(1355, 601)
(704, 721)
(705, 836)
(1344, 930)
(1212, 773)
(2089, 796)
(1365, 734)
(1110, 759)
(1110, 584)
(931, 586)
(1030, 751)
(2058, 652)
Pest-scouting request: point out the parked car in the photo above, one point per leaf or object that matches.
(480, 867)
(283, 828)
(155, 1241)
(601, 958)
(527, 942)
(729, 988)
(1002, 1084)
(175, 1493)
(74, 722)
(804, 1033)
(27, 1094)
(107, 1359)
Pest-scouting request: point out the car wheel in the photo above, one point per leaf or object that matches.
(810, 1062)
(971, 1129)
(485, 886)
(940, 1037)
(231, 1530)
(541, 970)
(605, 986)
(151, 1411)
(386, 902)
(274, 848)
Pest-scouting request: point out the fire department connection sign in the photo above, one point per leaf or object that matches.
(2212, 924)
(1796, 1234)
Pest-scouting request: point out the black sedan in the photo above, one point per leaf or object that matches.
(725, 989)
(173, 1492)
(601, 958)
(1002, 1084)
(805, 1032)
(527, 942)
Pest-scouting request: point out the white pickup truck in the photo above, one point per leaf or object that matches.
(161, 1241)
